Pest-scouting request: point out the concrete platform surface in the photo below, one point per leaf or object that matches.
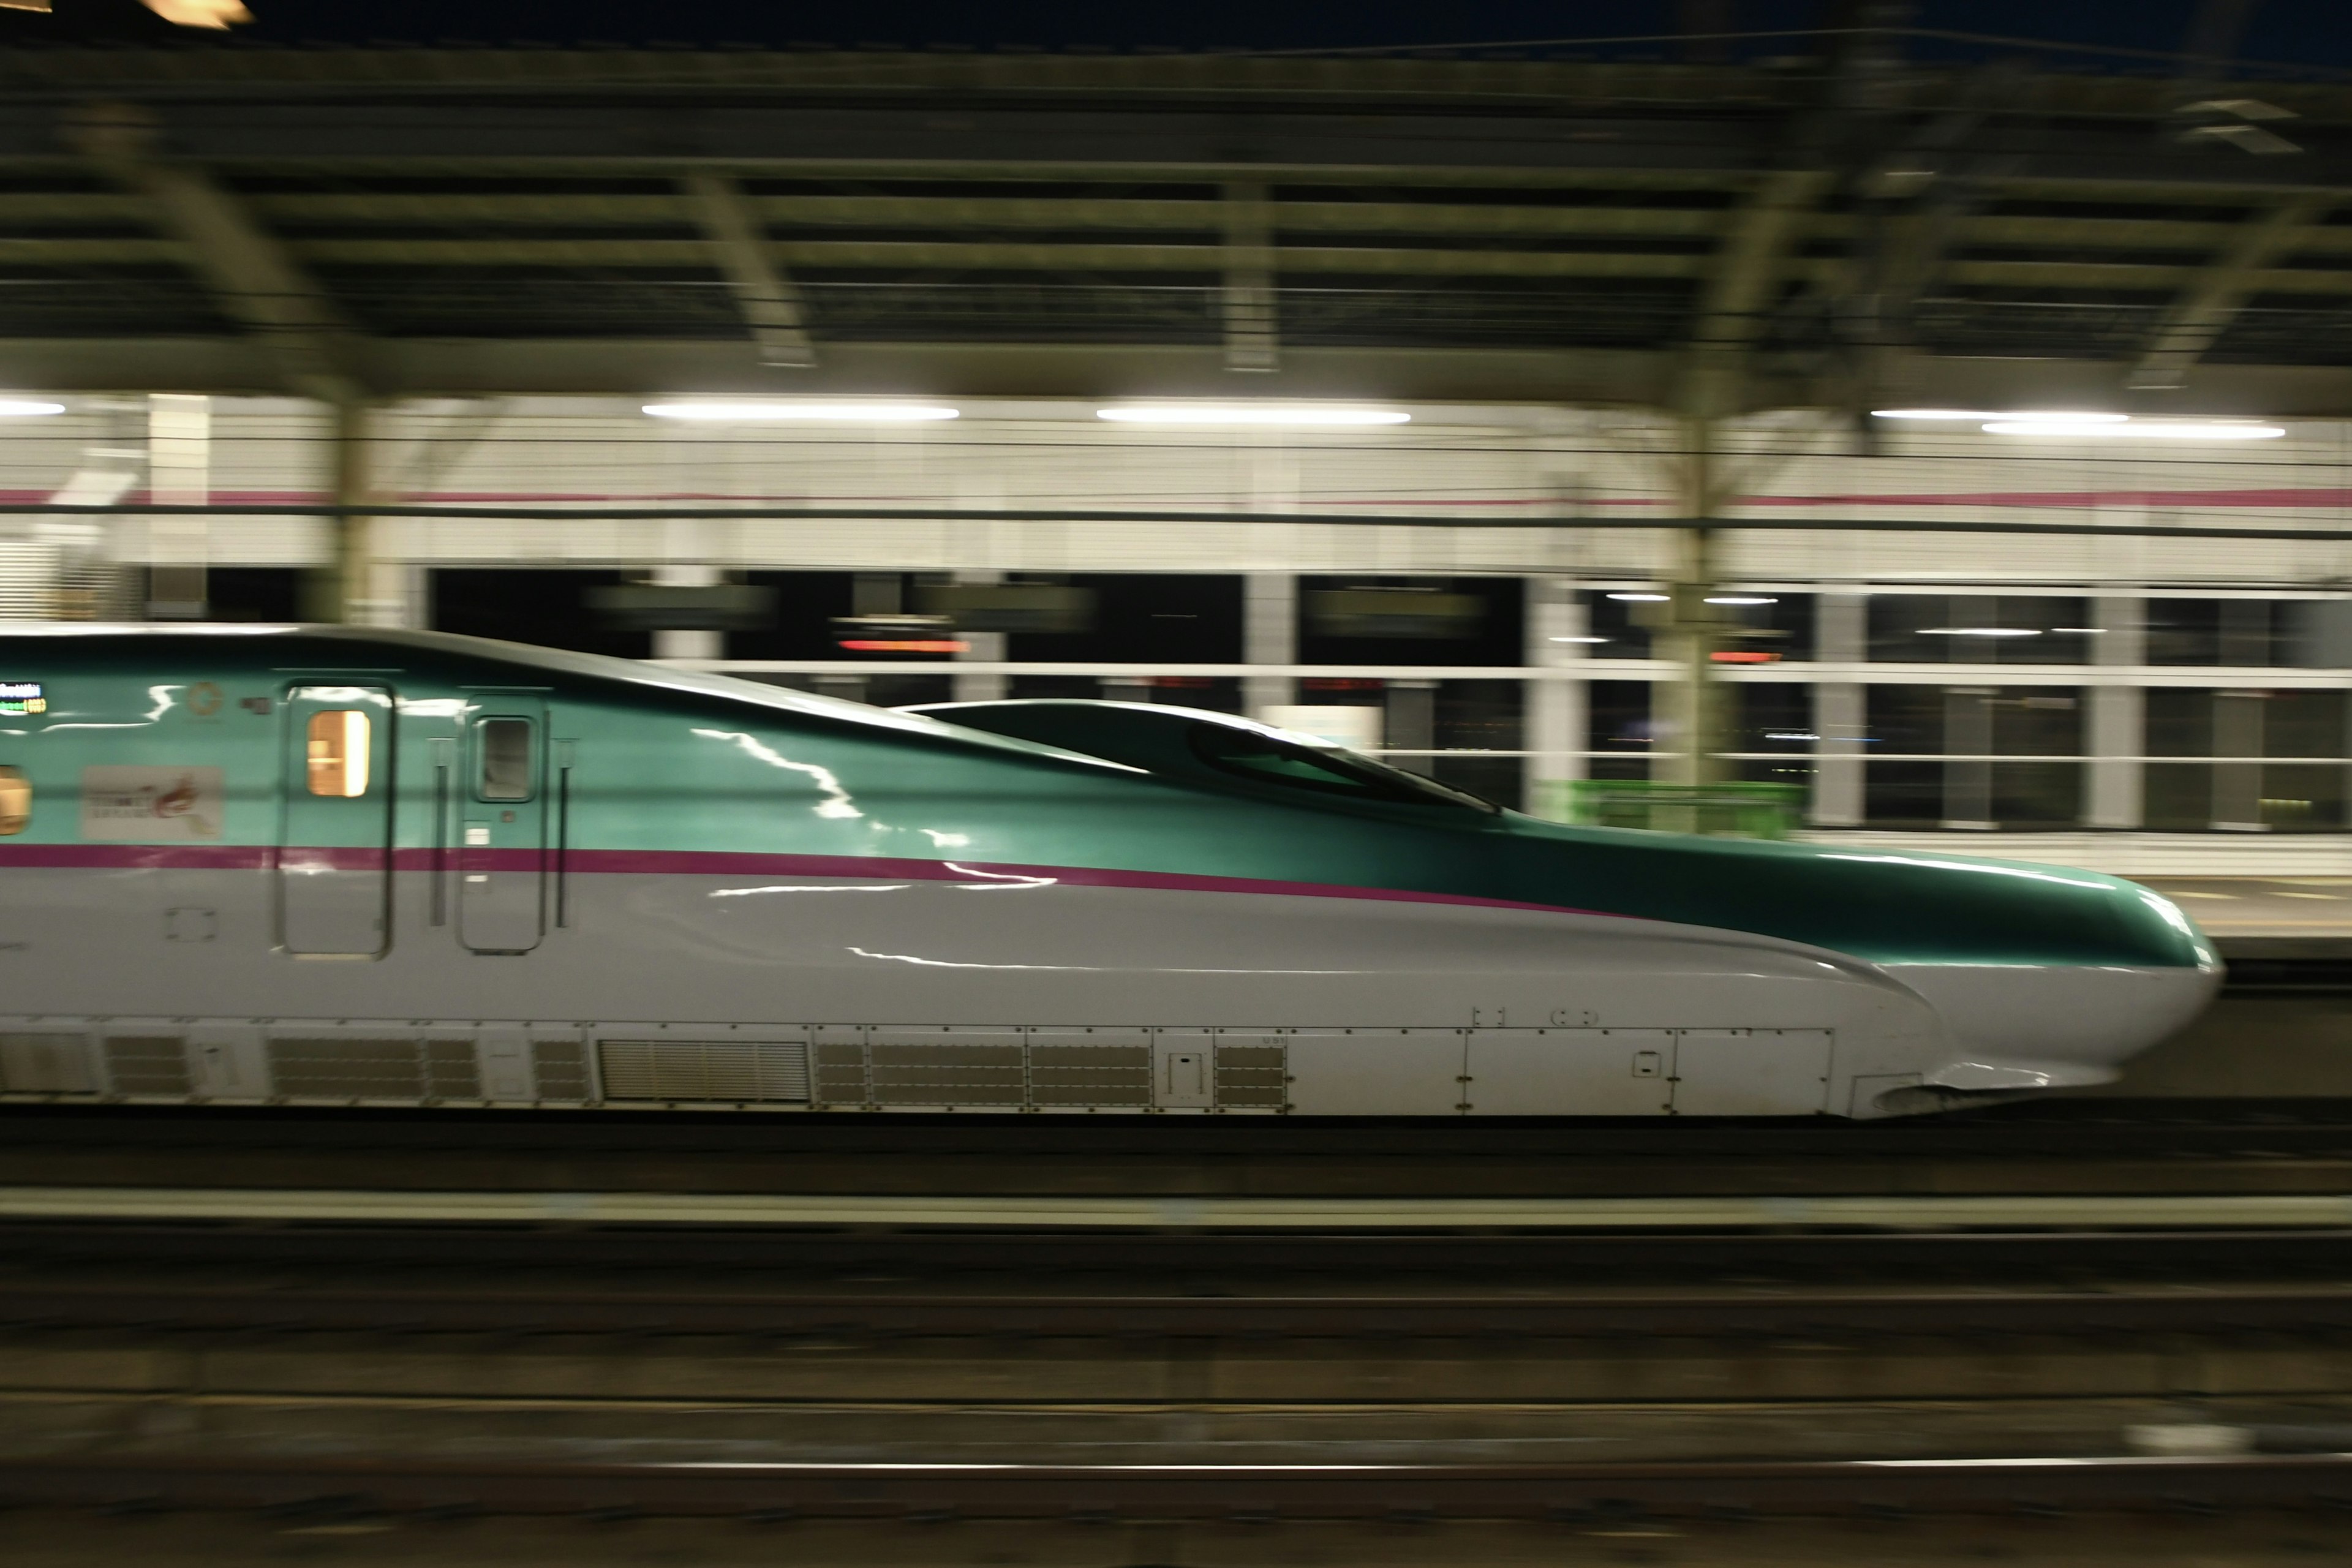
(2233, 910)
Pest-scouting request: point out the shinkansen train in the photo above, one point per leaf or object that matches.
(324, 865)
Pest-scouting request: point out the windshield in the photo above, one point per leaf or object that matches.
(1267, 759)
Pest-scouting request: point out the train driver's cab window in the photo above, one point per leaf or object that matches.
(1266, 760)
(338, 752)
(504, 748)
(15, 802)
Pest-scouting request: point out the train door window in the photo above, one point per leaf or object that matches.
(338, 752)
(15, 802)
(504, 746)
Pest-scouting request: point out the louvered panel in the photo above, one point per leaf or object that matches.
(559, 1069)
(147, 1064)
(355, 1068)
(985, 1067)
(720, 1071)
(1253, 1077)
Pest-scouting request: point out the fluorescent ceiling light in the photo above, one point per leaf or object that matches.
(1250, 414)
(1580, 640)
(847, 413)
(2168, 430)
(1643, 598)
(1978, 632)
(27, 408)
(2067, 415)
(1741, 599)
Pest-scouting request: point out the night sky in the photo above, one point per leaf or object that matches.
(2305, 32)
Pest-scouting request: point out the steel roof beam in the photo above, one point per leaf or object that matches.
(2207, 306)
(1252, 340)
(764, 291)
(1740, 283)
(250, 276)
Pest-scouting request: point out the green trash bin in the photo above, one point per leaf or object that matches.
(1724, 810)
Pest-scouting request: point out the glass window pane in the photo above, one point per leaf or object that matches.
(2184, 631)
(2037, 794)
(1619, 714)
(2178, 797)
(1903, 795)
(2304, 724)
(2028, 721)
(337, 754)
(504, 745)
(1905, 720)
(2303, 799)
(15, 802)
(2180, 722)
(1769, 716)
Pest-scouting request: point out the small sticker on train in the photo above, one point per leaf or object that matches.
(22, 696)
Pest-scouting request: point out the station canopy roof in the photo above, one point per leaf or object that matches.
(1841, 228)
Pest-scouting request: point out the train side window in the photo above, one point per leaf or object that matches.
(504, 746)
(338, 752)
(15, 802)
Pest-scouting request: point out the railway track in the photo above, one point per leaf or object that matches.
(1235, 1494)
(2049, 1148)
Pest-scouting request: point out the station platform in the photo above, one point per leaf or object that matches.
(2267, 917)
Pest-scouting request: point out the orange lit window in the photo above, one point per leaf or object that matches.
(16, 801)
(339, 753)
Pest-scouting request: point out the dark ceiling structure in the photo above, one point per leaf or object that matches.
(1835, 227)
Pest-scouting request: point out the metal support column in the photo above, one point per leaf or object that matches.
(675, 642)
(1691, 719)
(343, 589)
(1269, 636)
(981, 647)
(179, 473)
(2115, 794)
(1554, 705)
(1409, 722)
(1252, 340)
(1842, 636)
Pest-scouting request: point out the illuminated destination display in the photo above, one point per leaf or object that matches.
(22, 697)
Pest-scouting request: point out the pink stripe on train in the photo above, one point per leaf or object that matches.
(728, 864)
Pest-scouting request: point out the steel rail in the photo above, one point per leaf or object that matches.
(1237, 1494)
(2074, 1130)
(1865, 1258)
(2235, 1211)
(1147, 515)
(497, 1309)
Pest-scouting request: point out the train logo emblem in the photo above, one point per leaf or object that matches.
(144, 804)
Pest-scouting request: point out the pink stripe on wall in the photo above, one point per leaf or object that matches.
(2268, 498)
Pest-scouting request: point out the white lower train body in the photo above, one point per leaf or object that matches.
(991, 993)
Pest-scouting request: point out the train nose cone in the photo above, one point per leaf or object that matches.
(2050, 1025)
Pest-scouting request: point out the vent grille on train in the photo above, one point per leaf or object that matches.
(559, 1069)
(733, 1071)
(148, 1064)
(1253, 1076)
(1051, 1069)
(921, 1073)
(381, 1068)
(45, 1064)
(1090, 1075)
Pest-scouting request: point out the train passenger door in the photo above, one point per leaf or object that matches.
(334, 839)
(503, 853)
